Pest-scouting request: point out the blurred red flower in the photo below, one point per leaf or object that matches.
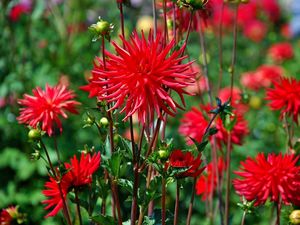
(78, 173)
(5, 217)
(206, 184)
(140, 77)
(255, 30)
(194, 123)
(45, 107)
(262, 77)
(18, 10)
(180, 159)
(281, 51)
(275, 177)
(285, 96)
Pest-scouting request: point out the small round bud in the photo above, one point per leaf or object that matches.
(116, 138)
(295, 217)
(163, 154)
(104, 122)
(102, 27)
(34, 134)
(255, 102)
(90, 120)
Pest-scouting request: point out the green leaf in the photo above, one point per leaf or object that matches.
(115, 163)
(126, 184)
(104, 220)
(200, 146)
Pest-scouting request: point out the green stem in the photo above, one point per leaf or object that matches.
(78, 206)
(228, 159)
(176, 202)
(163, 201)
(189, 216)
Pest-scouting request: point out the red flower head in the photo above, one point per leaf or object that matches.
(262, 77)
(5, 217)
(280, 52)
(140, 77)
(18, 10)
(79, 173)
(194, 124)
(45, 107)
(180, 159)
(271, 8)
(206, 184)
(285, 97)
(255, 30)
(276, 177)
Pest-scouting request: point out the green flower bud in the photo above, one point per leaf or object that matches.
(295, 217)
(104, 122)
(163, 154)
(36, 155)
(34, 134)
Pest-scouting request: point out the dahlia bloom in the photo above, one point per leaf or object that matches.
(275, 177)
(79, 173)
(18, 10)
(180, 159)
(255, 30)
(285, 96)
(5, 217)
(281, 52)
(206, 184)
(262, 77)
(45, 107)
(195, 122)
(140, 77)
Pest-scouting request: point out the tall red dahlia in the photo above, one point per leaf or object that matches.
(140, 77)
(45, 107)
(275, 177)
(285, 96)
(79, 173)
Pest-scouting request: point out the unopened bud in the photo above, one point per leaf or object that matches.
(163, 154)
(34, 134)
(295, 217)
(104, 122)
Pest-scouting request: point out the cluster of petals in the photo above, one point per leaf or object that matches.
(281, 52)
(18, 10)
(180, 159)
(275, 177)
(5, 217)
(195, 122)
(206, 183)
(262, 77)
(44, 108)
(285, 96)
(79, 173)
(140, 77)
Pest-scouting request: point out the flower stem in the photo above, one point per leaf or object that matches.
(228, 159)
(163, 201)
(188, 220)
(220, 43)
(78, 206)
(65, 207)
(205, 65)
(56, 149)
(154, 17)
(174, 21)
(116, 201)
(176, 202)
(278, 210)
(233, 59)
(243, 217)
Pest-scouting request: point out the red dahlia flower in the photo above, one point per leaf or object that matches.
(45, 107)
(195, 122)
(275, 177)
(285, 96)
(140, 77)
(79, 173)
(18, 10)
(206, 184)
(180, 159)
(281, 51)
